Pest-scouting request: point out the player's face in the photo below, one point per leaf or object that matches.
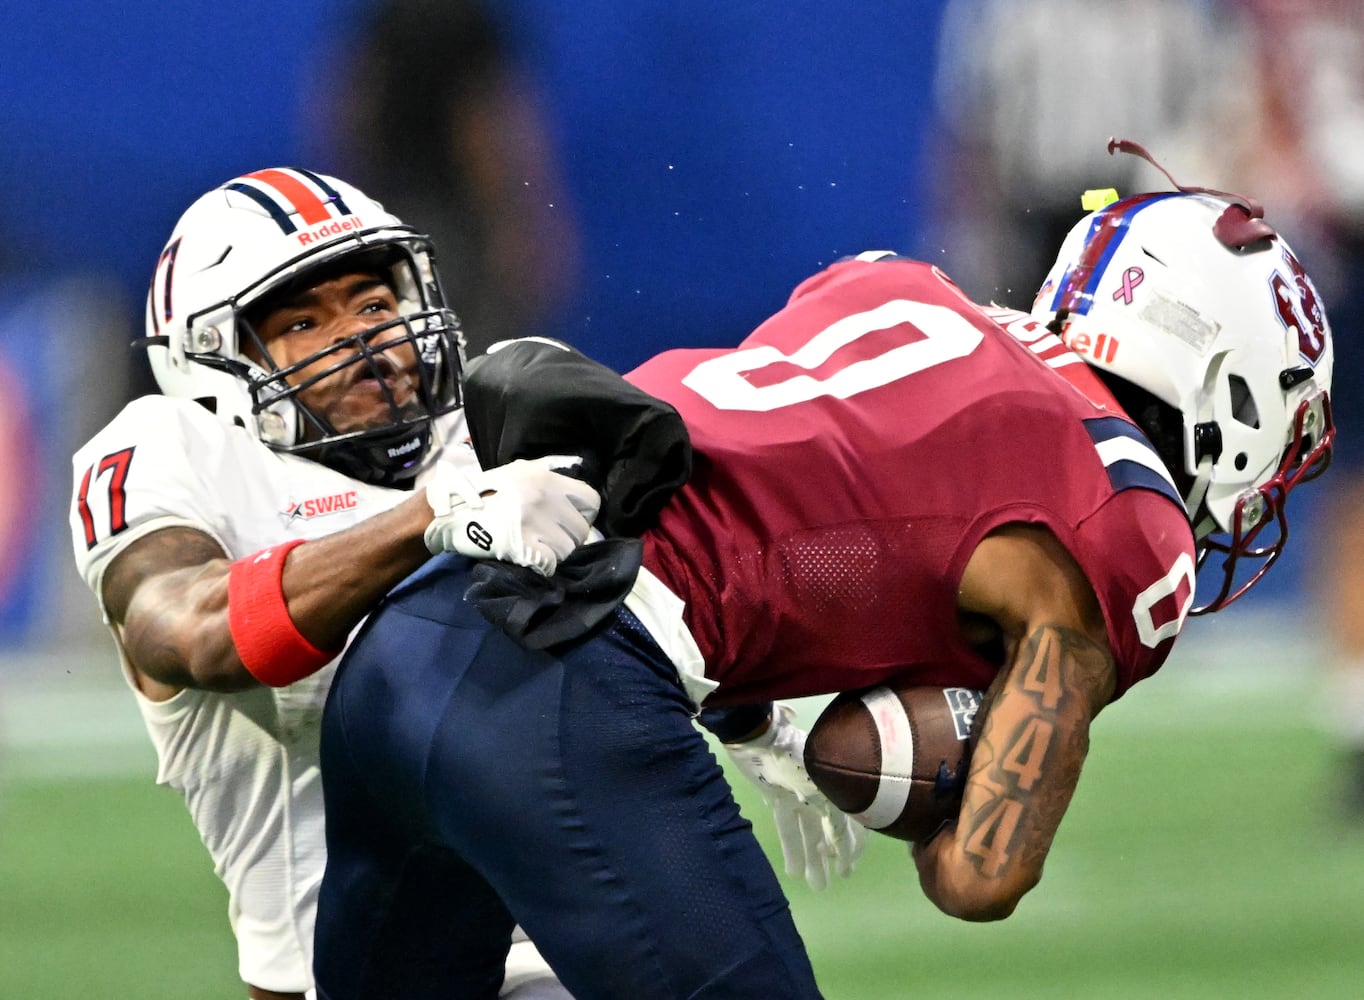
(325, 314)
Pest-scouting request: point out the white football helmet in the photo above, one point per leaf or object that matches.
(259, 233)
(1212, 337)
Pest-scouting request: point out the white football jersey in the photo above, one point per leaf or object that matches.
(246, 763)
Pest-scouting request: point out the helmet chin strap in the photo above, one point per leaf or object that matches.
(386, 458)
(1207, 524)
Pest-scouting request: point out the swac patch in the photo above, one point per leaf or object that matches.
(306, 510)
(1129, 458)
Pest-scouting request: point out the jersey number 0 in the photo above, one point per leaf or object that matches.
(944, 336)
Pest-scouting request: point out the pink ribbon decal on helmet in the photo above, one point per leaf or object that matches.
(1131, 278)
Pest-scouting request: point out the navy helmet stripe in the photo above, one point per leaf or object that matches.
(333, 195)
(266, 202)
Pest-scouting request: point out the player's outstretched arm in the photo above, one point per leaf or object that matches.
(169, 594)
(190, 617)
(1034, 726)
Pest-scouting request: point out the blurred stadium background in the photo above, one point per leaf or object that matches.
(680, 168)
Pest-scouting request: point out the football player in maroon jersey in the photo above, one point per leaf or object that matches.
(888, 481)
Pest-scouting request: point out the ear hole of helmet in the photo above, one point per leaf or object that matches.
(1243, 408)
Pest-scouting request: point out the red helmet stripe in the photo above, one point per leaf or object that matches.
(304, 200)
(1075, 292)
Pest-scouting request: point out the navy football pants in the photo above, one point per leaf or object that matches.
(472, 784)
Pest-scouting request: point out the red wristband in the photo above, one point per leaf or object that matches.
(268, 643)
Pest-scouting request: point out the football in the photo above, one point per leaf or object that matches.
(894, 758)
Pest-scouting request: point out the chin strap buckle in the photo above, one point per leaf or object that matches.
(1207, 439)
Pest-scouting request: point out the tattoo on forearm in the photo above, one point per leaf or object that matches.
(1054, 668)
(149, 637)
(170, 548)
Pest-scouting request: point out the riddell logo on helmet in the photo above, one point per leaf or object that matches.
(334, 228)
(405, 449)
(1101, 347)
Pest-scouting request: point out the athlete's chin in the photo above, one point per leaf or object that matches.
(364, 412)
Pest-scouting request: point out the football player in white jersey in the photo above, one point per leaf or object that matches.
(307, 453)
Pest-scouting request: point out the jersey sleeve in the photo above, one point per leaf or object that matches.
(1138, 551)
(532, 398)
(134, 477)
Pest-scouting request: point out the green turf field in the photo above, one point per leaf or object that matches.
(1203, 858)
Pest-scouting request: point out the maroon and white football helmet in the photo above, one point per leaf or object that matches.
(1193, 299)
(264, 231)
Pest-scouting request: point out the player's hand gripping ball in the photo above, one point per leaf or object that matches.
(895, 758)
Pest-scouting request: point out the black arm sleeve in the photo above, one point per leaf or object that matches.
(733, 723)
(533, 398)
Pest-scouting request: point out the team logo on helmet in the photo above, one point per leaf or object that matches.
(159, 301)
(1299, 308)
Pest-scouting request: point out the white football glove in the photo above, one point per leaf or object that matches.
(814, 834)
(522, 512)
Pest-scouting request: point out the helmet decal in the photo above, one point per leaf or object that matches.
(165, 271)
(285, 193)
(1300, 309)
(1131, 278)
(1108, 227)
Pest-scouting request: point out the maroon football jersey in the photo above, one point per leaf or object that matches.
(852, 452)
